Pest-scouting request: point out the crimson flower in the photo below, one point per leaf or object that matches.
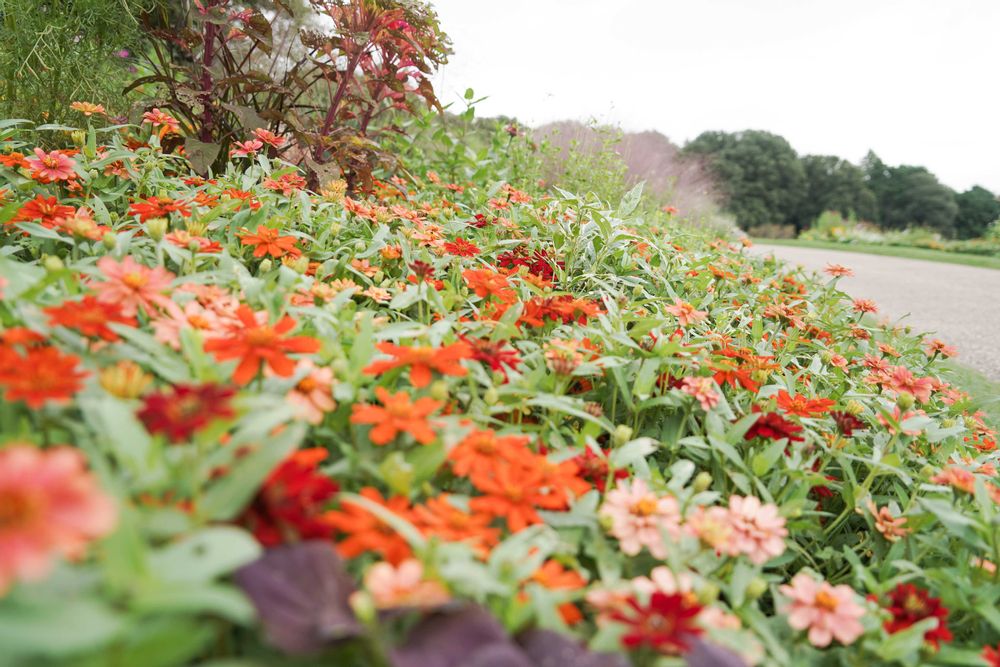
(185, 409)
(666, 624)
(289, 506)
(496, 355)
(773, 426)
(909, 605)
(846, 422)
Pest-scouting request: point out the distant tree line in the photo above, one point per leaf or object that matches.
(765, 182)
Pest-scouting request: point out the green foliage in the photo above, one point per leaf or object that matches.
(978, 208)
(760, 174)
(910, 196)
(54, 52)
(834, 184)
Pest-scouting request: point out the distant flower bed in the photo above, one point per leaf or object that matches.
(456, 424)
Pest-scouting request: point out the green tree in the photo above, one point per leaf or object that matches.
(910, 196)
(977, 209)
(759, 174)
(834, 184)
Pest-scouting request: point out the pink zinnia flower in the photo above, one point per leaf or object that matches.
(758, 529)
(900, 380)
(828, 612)
(313, 396)
(403, 586)
(703, 389)
(838, 270)
(50, 506)
(246, 148)
(638, 517)
(269, 138)
(133, 285)
(685, 312)
(192, 316)
(52, 166)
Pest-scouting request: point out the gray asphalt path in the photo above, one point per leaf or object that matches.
(959, 304)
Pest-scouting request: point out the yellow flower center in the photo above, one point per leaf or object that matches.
(645, 507)
(824, 600)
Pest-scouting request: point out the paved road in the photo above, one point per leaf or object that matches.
(961, 304)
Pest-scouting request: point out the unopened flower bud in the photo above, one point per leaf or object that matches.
(621, 435)
(125, 380)
(397, 473)
(265, 266)
(593, 409)
(53, 264)
(905, 401)
(379, 276)
(156, 228)
(363, 606)
(491, 396)
(928, 471)
(756, 588)
(702, 481)
(439, 390)
(300, 265)
(109, 240)
(708, 594)
(947, 423)
(854, 407)
(79, 137)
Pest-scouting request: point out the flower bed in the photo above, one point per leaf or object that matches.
(243, 420)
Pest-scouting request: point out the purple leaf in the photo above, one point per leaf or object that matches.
(451, 639)
(547, 648)
(704, 654)
(301, 594)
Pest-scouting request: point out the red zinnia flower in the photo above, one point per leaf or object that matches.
(802, 406)
(158, 207)
(909, 605)
(258, 343)
(289, 505)
(185, 409)
(773, 426)
(666, 624)
(90, 317)
(494, 354)
(46, 210)
(991, 656)
(846, 422)
(462, 248)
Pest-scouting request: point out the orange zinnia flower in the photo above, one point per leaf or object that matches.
(366, 532)
(422, 360)
(479, 452)
(439, 518)
(43, 374)
(486, 283)
(90, 317)
(256, 344)
(553, 576)
(267, 242)
(802, 406)
(512, 490)
(398, 415)
(46, 210)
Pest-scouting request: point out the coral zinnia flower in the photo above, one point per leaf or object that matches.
(666, 624)
(167, 123)
(366, 532)
(403, 586)
(639, 517)
(49, 506)
(685, 313)
(909, 605)
(132, 285)
(245, 148)
(900, 380)
(46, 210)
(269, 138)
(48, 167)
(256, 344)
(422, 360)
(286, 184)
(512, 491)
(289, 504)
(43, 374)
(828, 612)
(439, 518)
(838, 271)
(703, 389)
(90, 317)
(802, 406)
(486, 283)
(185, 409)
(87, 109)
(398, 415)
(267, 242)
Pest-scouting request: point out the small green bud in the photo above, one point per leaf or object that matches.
(397, 473)
(363, 606)
(335, 228)
(708, 594)
(794, 513)
(110, 240)
(928, 471)
(854, 407)
(360, 245)
(300, 265)
(702, 481)
(340, 367)
(756, 588)
(621, 435)
(491, 396)
(53, 264)
(947, 423)
(379, 276)
(905, 401)
(265, 266)
(156, 228)
(79, 137)
(439, 390)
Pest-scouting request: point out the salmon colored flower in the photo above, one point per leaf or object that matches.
(185, 409)
(802, 406)
(422, 361)
(900, 380)
(247, 148)
(133, 286)
(258, 344)
(864, 306)
(269, 138)
(268, 242)
(703, 389)
(685, 313)
(639, 518)
(313, 394)
(50, 167)
(367, 533)
(480, 451)
(90, 317)
(161, 119)
(957, 478)
(889, 526)
(403, 586)
(936, 346)
(87, 109)
(398, 415)
(838, 271)
(159, 207)
(289, 505)
(286, 184)
(50, 506)
(43, 375)
(827, 612)
(758, 530)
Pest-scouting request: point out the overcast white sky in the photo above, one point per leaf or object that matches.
(918, 81)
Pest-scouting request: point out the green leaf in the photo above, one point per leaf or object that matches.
(904, 646)
(204, 555)
(633, 451)
(631, 200)
(200, 154)
(56, 628)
